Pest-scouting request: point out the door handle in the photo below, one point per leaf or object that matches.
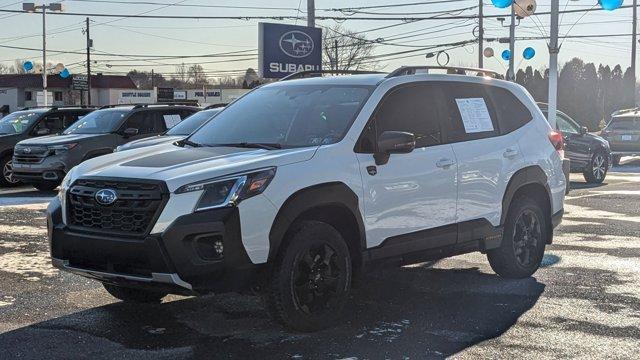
(444, 163)
(510, 153)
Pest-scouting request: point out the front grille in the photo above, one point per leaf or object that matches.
(30, 154)
(132, 214)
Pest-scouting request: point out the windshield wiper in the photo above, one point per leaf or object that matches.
(266, 146)
(191, 143)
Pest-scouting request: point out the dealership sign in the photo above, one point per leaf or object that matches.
(287, 49)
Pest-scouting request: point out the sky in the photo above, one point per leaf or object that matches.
(121, 43)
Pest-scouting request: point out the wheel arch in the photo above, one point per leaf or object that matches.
(6, 152)
(531, 181)
(334, 203)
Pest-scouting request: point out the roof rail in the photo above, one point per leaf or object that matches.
(319, 73)
(412, 70)
(215, 106)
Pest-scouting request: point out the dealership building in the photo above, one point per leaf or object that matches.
(25, 90)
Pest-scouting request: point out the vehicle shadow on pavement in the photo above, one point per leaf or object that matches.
(575, 185)
(413, 312)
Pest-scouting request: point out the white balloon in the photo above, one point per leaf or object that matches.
(59, 67)
(488, 52)
(524, 8)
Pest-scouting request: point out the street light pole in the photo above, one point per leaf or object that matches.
(311, 13)
(32, 7)
(511, 74)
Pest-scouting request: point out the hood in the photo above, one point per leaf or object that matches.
(60, 139)
(179, 166)
(156, 140)
(597, 138)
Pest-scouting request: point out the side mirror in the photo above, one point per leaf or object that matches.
(129, 132)
(43, 131)
(583, 130)
(394, 142)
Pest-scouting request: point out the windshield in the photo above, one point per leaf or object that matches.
(624, 123)
(18, 122)
(98, 122)
(190, 124)
(287, 116)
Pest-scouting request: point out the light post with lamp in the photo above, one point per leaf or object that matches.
(32, 7)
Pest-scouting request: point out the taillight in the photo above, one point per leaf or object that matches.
(557, 140)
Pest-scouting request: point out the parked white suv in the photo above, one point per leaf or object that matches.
(300, 185)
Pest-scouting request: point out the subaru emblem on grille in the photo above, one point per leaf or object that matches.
(26, 150)
(106, 197)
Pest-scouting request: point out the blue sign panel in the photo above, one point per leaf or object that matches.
(287, 49)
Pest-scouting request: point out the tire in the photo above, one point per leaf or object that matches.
(310, 280)
(518, 256)
(134, 295)
(597, 168)
(46, 185)
(616, 160)
(7, 180)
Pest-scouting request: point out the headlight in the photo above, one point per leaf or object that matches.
(64, 185)
(229, 190)
(57, 149)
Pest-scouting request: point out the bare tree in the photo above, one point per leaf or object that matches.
(344, 49)
(197, 76)
(7, 69)
(181, 73)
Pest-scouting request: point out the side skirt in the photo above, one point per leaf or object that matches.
(437, 243)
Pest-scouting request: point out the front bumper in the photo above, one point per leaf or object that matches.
(50, 169)
(178, 261)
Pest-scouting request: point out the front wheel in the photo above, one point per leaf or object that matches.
(7, 179)
(597, 169)
(311, 278)
(525, 237)
(134, 295)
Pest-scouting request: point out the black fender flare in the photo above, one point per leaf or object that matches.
(525, 176)
(306, 199)
(6, 152)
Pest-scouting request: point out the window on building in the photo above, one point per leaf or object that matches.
(57, 96)
(28, 96)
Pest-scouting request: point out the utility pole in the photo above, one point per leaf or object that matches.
(553, 63)
(311, 13)
(480, 35)
(511, 74)
(634, 43)
(89, 45)
(153, 78)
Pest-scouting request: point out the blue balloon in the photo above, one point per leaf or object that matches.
(528, 53)
(502, 3)
(610, 4)
(27, 65)
(65, 73)
(506, 55)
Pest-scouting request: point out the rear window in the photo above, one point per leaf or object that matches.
(624, 123)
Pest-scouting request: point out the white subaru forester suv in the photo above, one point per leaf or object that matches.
(301, 185)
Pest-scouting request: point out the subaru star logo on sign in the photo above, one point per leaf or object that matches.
(106, 197)
(286, 49)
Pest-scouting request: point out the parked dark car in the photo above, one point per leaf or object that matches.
(29, 123)
(623, 134)
(43, 162)
(178, 132)
(589, 153)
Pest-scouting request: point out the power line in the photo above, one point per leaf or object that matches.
(186, 5)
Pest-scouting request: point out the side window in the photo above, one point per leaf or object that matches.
(70, 118)
(469, 112)
(512, 114)
(53, 122)
(144, 121)
(565, 125)
(413, 109)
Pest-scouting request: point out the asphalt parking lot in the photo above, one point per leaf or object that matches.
(583, 303)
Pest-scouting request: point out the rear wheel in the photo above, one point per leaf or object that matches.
(134, 295)
(46, 185)
(616, 159)
(311, 278)
(597, 168)
(525, 237)
(7, 179)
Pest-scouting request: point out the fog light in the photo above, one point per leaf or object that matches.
(209, 247)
